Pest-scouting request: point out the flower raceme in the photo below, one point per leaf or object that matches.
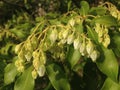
(33, 50)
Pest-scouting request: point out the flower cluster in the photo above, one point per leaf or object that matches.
(28, 51)
(114, 11)
(69, 35)
(103, 36)
(53, 39)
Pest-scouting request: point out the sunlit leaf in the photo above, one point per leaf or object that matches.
(10, 73)
(25, 81)
(108, 64)
(110, 85)
(57, 77)
(106, 20)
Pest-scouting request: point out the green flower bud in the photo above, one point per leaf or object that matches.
(34, 74)
(83, 48)
(18, 48)
(28, 56)
(53, 36)
(41, 70)
(35, 54)
(70, 39)
(106, 41)
(42, 58)
(89, 47)
(97, 28)
(71, 22)
(28, 45)
(100, 33)
(21, 55)
(36, 63)
(65, 33)
(34, 42)
(76, 43)
(21, 68)
(94, 55)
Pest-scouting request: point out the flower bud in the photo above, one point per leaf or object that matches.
(89, 47)
(106, 41)
(53, 36)
(41, 70)
(21, 68)
(43, 58)
(94, 55)
(34, 74)
(35, 54)
(18, 48)
(28, 56)
(65, 33)
(28, 45)
(71, 22)
(70, 39)
(36, 63)
(76, 43)
(21, 55)
(34, 42)
(100, 33)
(82, 48)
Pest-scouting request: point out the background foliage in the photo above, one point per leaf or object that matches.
(29, 26)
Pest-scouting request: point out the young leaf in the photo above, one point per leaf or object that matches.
(73, 56)
(57, 77)
(110, 85)
(25, 81)
(84, 8)
(108, 64)
(10, 73)
(106, 20)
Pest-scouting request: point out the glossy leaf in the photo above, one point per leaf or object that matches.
(108, 64)
(73, 56)
(106, 20)
(10, 73)
(25, 81)
(110, 85)
(116, 44)
(98, 10)
(57, 77)
(92, 34)
(84, 8)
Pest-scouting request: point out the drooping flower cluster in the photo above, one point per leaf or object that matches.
(53, 39)
(103, 36)
(114, 11)
(29, 52)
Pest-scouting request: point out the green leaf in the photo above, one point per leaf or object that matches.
(84, 8)
(57, 77)
(116, 44)
(110, 85)
(10, 73)
(73, 56)
(92, 34)
(106, 20)
(98, 10)
(25, 81)
(108, 64)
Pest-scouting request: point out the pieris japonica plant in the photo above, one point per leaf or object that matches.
(57, 49)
